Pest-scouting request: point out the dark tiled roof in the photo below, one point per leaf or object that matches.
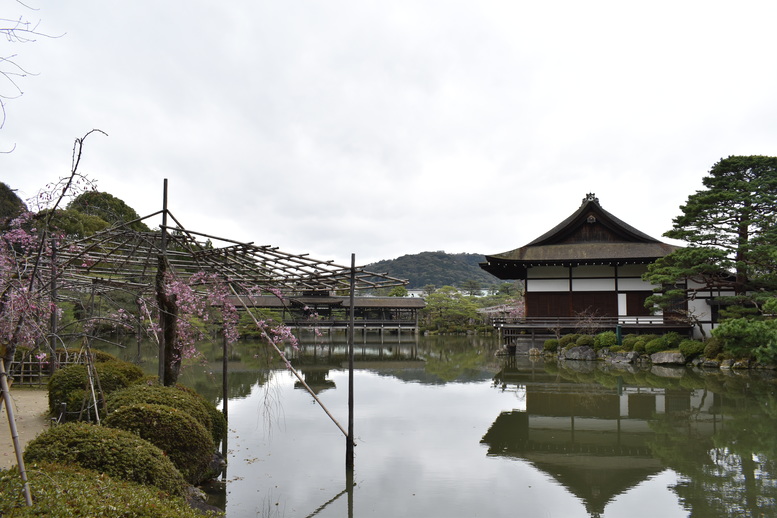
(591, 235)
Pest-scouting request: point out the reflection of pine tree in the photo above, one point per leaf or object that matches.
(731, 473)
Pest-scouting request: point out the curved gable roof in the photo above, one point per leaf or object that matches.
(591, 235)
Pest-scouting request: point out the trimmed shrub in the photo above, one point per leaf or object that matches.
(185, 441)
(672, 340)
(116, 453)
(70, 385)
(639, 346)
(629, 341)
(567, 341)
(550, 345)
(584, 341)
(655, 345)
(176, 397)
(68, 490)
(713, 348)
(606, 339)
(691, 348)
(216, 415)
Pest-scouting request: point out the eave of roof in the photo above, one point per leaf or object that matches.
(560, 246)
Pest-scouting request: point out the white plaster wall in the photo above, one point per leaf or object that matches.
(597, 270)
(535, 285)
(550, 272)
(593, 284)
(632, 284)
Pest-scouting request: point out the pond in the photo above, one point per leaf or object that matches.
(446, 428)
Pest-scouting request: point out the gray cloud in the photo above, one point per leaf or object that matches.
(386, 129)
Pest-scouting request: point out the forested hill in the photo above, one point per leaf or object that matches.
(437, 268)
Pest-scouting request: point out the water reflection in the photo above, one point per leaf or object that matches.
(446, 428)
(601, 431)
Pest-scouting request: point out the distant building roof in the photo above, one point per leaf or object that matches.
(591, 235)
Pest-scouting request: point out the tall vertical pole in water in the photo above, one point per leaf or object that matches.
(351, 325)
(349, 439)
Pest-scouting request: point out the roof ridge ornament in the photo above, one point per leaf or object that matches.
(590, 197)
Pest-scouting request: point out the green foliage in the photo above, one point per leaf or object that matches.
(656, 345)
(114, 452)
(691, 348)
(70, 384)
(584, 341)
(436, 268)
(606, 339)
(10, 204)
(745, 338)
(398, 291)
(550, 345)
(672, 340)
(729, 227)
(74, 223)
(69, 490)
(568, 341)
(185, 441)
(629, 341)
(713, 348)
(448, 311)
(177, 397)
(108, 208)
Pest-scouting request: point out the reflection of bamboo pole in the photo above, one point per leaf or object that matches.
(14, 433)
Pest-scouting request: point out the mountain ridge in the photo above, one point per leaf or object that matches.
(437, 268)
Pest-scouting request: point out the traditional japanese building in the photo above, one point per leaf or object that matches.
(588, 268)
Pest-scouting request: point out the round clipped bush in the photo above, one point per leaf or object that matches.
(185, 441)
(655, 345)
(606, 339)
(550, 345)
(713, 348)
(567, 341)
(629, 341)
(116, 453)
(176, 397)
(584, 341)
(216, 415)
(70, 384)
(69, 490)
(691, 348)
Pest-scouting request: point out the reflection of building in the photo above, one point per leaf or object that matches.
(315, 378)
(593, 440)
(588, 268)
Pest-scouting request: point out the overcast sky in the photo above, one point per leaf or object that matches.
(391, 128)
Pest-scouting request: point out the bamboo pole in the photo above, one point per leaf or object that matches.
(14, 432)
(294, 371)
(349, 438)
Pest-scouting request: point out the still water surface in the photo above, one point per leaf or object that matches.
(445, 428)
